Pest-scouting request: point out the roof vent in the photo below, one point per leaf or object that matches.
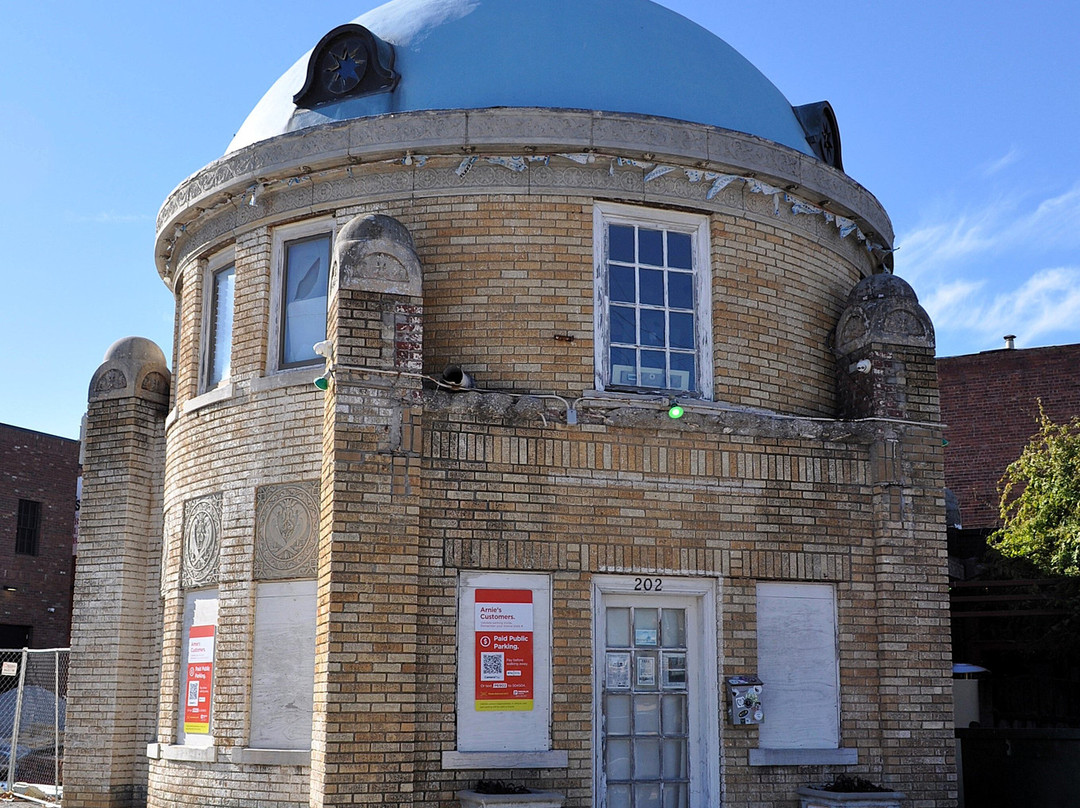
(1010, 341)
(349, 61)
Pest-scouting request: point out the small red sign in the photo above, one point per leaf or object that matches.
(200, 680)
(504, 650)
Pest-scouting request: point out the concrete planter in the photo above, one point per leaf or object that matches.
(534, 799)
(816, 798)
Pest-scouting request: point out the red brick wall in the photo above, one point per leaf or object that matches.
(990, 406)
(43, 468)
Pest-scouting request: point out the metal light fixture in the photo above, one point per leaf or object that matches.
(675, 410)
(323, 382)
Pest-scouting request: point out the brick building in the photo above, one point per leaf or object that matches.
(484, 545)
(39, 476)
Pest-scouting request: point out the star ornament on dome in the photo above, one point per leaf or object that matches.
(346, 65)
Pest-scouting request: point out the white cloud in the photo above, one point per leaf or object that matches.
(994, 166)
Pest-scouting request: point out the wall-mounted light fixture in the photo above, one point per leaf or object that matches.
(675, 410)
(323, 382)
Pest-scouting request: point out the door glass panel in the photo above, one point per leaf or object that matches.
(617, 714)
(645, 708)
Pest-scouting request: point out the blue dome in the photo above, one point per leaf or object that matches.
(630, 56)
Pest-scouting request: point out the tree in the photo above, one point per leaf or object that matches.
(1040, 500)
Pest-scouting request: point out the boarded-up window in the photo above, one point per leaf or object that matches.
(797, 661)
(283, 676)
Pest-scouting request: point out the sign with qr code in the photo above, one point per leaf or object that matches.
(504, 650)
(10, 669)
(200, 678)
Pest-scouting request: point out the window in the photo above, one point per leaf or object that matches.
(218, 324)
(303, 255)
(28, 527)
(798, 662)
(653, 312)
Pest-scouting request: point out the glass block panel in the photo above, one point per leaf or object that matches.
(617, 760)
(652, 287)
(680, 290)
(647, 795)
(681, 334)
(674, 758)
(621, 243)
(679, 253)
(621, 284)
(673, 714)
(617, 714)
(618, 625)
(651, 247)
(682, 372)
(646, 626)
(618, 796)
(673, 628)
(646, 759)
(623, 325)
(676, 795)
(646, 715)
(652, 328)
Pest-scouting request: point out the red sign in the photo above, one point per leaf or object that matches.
(200, 680)
(504, 650)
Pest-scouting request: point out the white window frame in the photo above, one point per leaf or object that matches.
(281, 237)
(697, 227)
(702, 656)
(217, 263)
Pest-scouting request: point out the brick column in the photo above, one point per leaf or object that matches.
(366, 644)
(885, 352)
(113, 683)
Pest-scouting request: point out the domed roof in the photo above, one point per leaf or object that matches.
(630, 56)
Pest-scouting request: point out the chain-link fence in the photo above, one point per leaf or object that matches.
(33, 688)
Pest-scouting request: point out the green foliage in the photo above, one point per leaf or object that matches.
(1040, 500)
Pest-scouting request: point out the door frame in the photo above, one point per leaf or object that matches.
(705, 717)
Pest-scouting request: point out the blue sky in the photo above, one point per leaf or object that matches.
(961, 116)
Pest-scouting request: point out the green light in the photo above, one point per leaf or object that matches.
(675, 411)
(323, 382)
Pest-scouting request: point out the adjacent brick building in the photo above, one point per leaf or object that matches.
(484, 545)
(39, 476)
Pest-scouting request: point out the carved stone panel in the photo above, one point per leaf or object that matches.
(376, 254)
(286, 530)
(202, 540)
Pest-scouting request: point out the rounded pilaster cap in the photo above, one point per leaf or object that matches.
(883, 309)
(133, 366)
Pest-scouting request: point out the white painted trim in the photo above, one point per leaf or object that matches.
(281, 235)
(210, 268)
(705, 717)
(696, 225)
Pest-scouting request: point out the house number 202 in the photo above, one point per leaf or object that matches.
(648, 584)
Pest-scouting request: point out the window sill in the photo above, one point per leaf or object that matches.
(293, 377)
(220, 393)
(804, 757)
(195, 754)
(272, 757)
(552, 759)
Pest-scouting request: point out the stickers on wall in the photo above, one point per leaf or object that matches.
(504, 650)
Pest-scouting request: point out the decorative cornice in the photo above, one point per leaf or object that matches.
(524, 150)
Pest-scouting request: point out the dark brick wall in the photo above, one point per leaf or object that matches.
(990, 407)
(43, 468)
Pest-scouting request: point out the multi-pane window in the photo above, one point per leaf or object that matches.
(652, 301)
(219, 335)
(304, 284)
(28, 527)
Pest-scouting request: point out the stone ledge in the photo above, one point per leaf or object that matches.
(552, 759)
(804, 757)
(272, 757)
(195, 754)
